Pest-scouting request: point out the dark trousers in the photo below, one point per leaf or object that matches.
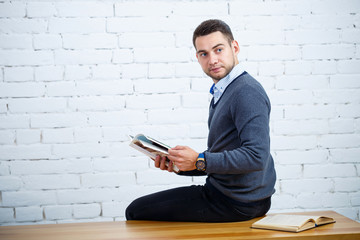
(194, 204)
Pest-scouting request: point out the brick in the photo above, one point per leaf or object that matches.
(82, 57)
(176, 116)
(123, 164)
(87, 210)
(42, 167)
(195, 100)
(288, 171)
(3, 106)
(345, 96)
(271, 68)
(115, 134)
(37, 105)
(74, 72)
(334, 7)
(348, 110)
(293, 142)
(329, 171)
(49, 73)
(264, 37)
(90, 195)
(87, 135)
(272, 22)
(291, 97)
(342, 125)
(28, 198)
(276, 52)
(24, 214)
(28, 136)
(126, 9)
(7, 215)
(157, 177)
(25, 152)
(60, 89)
(306, 186)
(134, 71)
(142, 55)
(349, 184)
(12, 9)
(89, 41)
(76, 25)
(331, 200)
(47, 41)
(97, 103)
(23, 25)
(345, 81)
(339, 140)
(350, 35)
(14, 121)
(7, 137)
(301, 82)
(199, 9)
(90, 9)
(58, 120)
(318, 52)
(188, 70)
(308, 111)
(306, 200)
(41, 9)
(161, 86)
(258, 8)
(18, 74)
(47, 182)
(113, 87)
(9, 183)
(349, 155)
(58, 135)
(326, 21)
(26, 90)
(301, 127)
(106, 72)
(123, 56)
(118, 118)
(136, 40)
(161, 70)
(283, 201)
(312, 36)
(25, 57)
(108, 179)
(298, 67)
(80, 150)
(17, 41)
(58, 212)
(324, 67)
(349, 66)
(114, 209)
(198, 131)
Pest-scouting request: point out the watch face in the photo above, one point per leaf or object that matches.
(200, 165)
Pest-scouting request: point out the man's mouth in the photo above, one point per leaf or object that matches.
(215, 69)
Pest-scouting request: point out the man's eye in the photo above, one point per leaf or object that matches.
(203, 54)
(219, 50)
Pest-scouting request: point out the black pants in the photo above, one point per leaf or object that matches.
(194, 204)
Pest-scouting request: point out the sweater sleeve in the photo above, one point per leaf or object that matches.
(250, 110)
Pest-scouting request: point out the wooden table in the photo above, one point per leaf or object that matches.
(344, 228)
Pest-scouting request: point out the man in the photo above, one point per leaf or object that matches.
(238, 164)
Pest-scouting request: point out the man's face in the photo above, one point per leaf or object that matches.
(216, 56)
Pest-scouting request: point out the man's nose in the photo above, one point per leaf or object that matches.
(213, 58)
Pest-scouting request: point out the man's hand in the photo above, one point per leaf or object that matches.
(160, 162)
(183, 157)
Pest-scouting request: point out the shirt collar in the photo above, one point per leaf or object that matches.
(217, 89)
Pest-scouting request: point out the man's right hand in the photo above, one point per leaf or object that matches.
(160, 162)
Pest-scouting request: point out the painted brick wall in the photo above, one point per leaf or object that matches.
(77, 76)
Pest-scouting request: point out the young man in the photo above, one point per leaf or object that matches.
(238, 164)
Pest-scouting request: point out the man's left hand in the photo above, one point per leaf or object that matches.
(183, 157)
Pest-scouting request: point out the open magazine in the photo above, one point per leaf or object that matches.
(151, 147)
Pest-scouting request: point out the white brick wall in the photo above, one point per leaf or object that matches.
(76, 77)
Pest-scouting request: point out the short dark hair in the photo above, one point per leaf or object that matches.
(210, 26)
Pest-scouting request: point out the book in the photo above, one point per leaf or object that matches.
(291, 223)
(151, 148)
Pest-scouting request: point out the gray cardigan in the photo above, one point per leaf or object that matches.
(239, 163)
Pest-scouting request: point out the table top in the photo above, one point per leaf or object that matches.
(344, 228)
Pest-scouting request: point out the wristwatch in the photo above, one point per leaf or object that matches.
(201, 163)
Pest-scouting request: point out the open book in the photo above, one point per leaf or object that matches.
(291, 223)
(151, 147)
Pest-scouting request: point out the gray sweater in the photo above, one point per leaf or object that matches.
(239, 163)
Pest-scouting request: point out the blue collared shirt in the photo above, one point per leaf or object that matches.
(218, 89)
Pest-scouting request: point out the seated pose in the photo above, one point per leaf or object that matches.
(238, 164)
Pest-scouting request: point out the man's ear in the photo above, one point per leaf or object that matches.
(235, 46)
